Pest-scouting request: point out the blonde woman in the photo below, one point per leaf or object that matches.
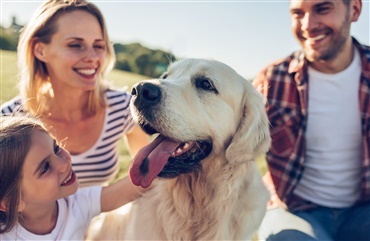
(64, 54)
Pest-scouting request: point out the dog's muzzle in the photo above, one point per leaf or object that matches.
(146, 95)
(165, 156)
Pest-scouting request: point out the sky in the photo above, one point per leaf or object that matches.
(246, 35)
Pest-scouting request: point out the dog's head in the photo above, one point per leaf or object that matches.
(199, 108)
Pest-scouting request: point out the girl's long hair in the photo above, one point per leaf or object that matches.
(15, 142)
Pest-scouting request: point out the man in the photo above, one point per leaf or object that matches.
(318, 104)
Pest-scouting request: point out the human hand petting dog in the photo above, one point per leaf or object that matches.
(275, 201)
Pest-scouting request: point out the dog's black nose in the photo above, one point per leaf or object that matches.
(146, 94)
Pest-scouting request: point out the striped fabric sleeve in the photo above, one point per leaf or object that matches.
(12, 107)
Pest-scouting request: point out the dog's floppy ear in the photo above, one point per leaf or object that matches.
(252, 137)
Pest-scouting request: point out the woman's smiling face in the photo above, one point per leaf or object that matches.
(75, 53)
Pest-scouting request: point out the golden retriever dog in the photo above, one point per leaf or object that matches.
(212, 125)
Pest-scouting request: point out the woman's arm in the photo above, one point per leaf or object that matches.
(136, 139)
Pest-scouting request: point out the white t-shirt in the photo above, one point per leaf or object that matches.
(74, 216)
(332, 173)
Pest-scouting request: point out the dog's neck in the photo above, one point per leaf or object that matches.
(199, 201)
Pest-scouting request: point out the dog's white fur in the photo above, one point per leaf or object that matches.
(225, 199)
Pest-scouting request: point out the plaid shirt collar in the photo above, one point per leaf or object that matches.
(299, 64)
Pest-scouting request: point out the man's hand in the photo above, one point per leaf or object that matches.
(274, 201)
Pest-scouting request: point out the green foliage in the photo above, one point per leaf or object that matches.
(6, 43)
(8, 39)
(142, 60)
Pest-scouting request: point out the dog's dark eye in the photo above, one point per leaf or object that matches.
(205, 84)
(164, 76)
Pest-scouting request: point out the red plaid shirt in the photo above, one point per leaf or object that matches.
(285, 85)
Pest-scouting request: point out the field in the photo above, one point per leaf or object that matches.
(8, 89)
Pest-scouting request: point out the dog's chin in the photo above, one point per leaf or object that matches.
(148, 128)
(186, 162)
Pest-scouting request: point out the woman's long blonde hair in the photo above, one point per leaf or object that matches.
(35, 87)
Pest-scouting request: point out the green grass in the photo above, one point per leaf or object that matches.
(119, 79)
(8, 75)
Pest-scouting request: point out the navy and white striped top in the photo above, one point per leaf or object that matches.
(99, 164)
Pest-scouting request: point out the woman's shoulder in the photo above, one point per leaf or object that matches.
(12, 106)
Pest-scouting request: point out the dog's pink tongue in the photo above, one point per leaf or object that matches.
(150, 160)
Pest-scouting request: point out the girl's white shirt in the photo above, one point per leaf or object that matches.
(74, 215)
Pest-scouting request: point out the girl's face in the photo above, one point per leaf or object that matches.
(76, 52)
(47, 172)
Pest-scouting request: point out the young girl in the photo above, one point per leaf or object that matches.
(39, 196)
